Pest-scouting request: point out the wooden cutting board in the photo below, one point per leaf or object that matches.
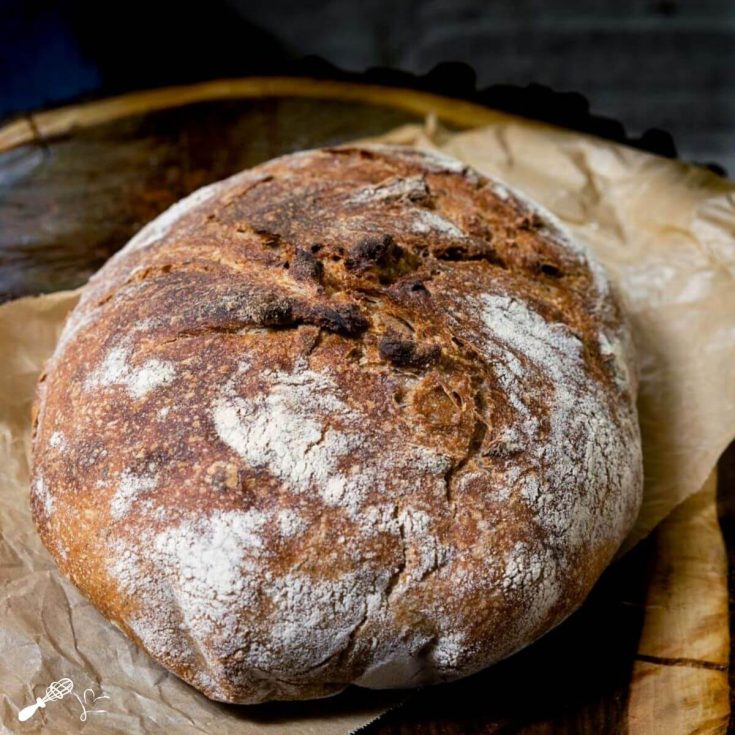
(649, 651)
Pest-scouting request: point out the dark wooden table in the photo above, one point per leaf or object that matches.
(75, 186)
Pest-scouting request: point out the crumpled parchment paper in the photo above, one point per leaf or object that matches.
(666, 233)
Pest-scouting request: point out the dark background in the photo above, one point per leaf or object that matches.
(665, 64)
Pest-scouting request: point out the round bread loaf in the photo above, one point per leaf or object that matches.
(355, 416)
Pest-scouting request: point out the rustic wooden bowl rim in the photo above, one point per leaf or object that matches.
(63, 120)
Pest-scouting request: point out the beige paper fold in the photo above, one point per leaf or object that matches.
(666, 233)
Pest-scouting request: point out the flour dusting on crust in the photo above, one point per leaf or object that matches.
(357, 416)
(117, 370)
(129, 487)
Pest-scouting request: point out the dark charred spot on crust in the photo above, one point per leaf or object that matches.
(305, 267)
(316, 247)
(272, 310)
(404, 352)
(356, 352)
(372, 251)
(540, 263)
(261, 307)
(550, 270)
(412, 287)
(232, 310)
(454, 252)
(344, 319)
(475, 249)
(422, 195)
(381, 259)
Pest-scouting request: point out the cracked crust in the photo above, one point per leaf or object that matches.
(357, 415)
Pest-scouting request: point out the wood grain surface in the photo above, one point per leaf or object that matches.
(645, 654)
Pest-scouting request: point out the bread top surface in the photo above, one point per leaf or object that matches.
(355, 415)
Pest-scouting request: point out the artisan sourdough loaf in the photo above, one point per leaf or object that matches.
(358, 415)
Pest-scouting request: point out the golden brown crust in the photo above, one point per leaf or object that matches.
(352, 416)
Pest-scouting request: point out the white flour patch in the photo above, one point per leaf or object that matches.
(197, 581)
(159, 633)
(303, 432)
(427, 553)
(150, 375)
(585, 460)
(381, 518)
(399, 474)
(409, 187)
(128, 489)
(43, 493)
(449, 651)
(139, 381)
(522, 569)
(426, 221)
(198, 567)
(279, 430)
(290, 523)
(57, 441)
(531, 575)
(207, 557)
(315, 618)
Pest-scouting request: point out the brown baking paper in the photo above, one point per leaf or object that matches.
(666, 233)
